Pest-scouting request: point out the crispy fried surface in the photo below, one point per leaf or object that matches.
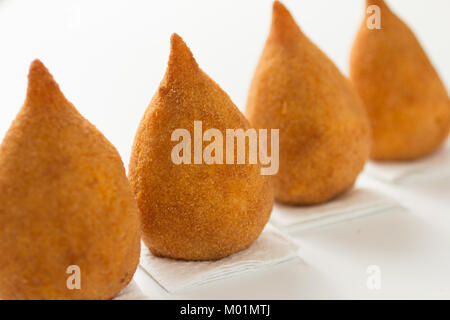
(324, 131)
(65, 200)
(194, 211)
(407, 103)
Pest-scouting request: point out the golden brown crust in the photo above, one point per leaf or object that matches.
(324, 131)
(194, 211)
(407, 103)
(65, 200)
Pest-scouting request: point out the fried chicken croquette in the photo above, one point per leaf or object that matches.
(66, 206)
(324, 130)
(194, 211)
(407, 103)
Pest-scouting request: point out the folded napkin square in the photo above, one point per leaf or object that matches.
(355, 203)
(131, 292)
(270, 249)
(436, 165)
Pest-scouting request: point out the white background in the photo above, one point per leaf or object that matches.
(109, 56)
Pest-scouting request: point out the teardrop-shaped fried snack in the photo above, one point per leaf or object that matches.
(407, 103)
(69, 226)
(324, 130)
(194, 211)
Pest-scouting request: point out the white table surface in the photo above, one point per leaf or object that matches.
(109, 57)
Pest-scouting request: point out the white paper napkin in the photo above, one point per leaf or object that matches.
(355, 203)
(131, 292)
(270, 249)
(436, 165)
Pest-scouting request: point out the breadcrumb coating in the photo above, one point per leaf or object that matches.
(65, 200)
(407, 103)
(324, 130)
(194, 211)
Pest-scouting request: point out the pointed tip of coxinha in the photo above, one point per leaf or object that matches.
(42, 88)
(178, 48)
(181, 60)
(279, 10)
(283, 25)
(379, 3)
